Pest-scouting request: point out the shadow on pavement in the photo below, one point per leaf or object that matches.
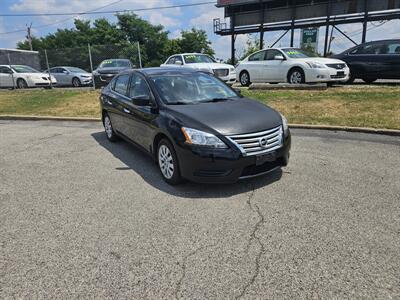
(142, 164)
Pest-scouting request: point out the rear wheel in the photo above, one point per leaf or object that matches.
(296, 76)
(168, 162)
(369, 80)
(244, 78)
(76, 82)
(110, 133)
(21, 84)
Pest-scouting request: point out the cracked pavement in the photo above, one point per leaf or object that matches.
(83, 218)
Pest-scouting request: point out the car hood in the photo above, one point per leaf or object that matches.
(111, 70)
(322, 60)
(230, 117)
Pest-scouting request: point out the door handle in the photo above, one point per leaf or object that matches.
(127, 111)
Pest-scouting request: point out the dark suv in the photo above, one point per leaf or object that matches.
(108, 69)
(194, 125)
(373, 60)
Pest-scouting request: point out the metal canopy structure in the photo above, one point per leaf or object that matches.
(259, 16)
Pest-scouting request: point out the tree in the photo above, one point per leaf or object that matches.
(195, 40)
(252, 45)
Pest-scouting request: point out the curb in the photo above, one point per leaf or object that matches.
(391, 132)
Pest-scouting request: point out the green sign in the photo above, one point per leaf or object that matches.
(309, 39)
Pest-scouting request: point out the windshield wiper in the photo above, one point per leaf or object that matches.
(217, 99)
(179, 103)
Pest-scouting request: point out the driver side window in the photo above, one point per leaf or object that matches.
(5, 70)
(171, 61)
(139, 87)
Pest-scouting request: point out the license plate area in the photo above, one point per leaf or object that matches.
(340, 73)
(265, 157)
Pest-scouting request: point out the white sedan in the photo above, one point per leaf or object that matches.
(22, 76)
(203, 62)
(290, 65)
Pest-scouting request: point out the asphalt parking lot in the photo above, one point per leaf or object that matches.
(81, 217)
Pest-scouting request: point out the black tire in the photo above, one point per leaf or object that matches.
(296, 76)
(76, 82)
(244, 78)
(351, 79)
(109, 130)
(21, 84)
(165, 160)
(369, 80)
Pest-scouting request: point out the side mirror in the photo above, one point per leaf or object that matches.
(141, 101)
(279, 57)
(178, 62)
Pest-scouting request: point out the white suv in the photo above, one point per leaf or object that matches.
(202, 62)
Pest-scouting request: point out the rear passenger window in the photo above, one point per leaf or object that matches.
(393, 48)
(368, 49)
(257, 56)
(121, 84)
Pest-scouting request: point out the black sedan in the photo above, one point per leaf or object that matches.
(108, 69)
(373, 60)
(194, 125)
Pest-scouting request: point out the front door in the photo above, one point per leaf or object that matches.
(255, 65)
(272, 69)
(6, 77)
(139, 119)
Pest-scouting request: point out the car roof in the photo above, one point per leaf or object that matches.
(193, 53)
(162, 71)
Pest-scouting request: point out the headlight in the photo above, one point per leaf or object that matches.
(201, 138)
(285, 124)
(315, 65)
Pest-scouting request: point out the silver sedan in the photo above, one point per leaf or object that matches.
(71, 76)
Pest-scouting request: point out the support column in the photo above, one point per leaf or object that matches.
(292, 25)
(233, 39)
(365, 22)
(328, 15)
(262, 17)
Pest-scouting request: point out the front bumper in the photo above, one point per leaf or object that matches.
(86, 80)
(327, 75)
(226, 165)
(103, 79)
(230, 79)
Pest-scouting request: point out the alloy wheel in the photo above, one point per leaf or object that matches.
(165, 160)
(108, 127)
(244, 78)
(296, 77)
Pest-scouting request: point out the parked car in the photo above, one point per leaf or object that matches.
(22, 76)
(202, 62)
(108, 69)
(373, 60)
(71, 76)
(290, 65)
(194, 126)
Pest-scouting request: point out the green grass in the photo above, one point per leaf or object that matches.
(376, 107)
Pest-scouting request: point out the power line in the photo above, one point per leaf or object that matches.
(107, 12)
(62, 21)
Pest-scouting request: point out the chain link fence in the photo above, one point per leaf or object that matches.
(68, 67)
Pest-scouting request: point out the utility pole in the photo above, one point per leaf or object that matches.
(29, 36)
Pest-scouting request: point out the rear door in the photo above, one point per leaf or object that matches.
(117, 100)
(255, 65)
(6, 77)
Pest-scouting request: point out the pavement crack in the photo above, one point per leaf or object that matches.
(254, 238)
(184, 266)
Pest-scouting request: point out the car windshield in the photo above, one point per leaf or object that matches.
(24, 69)
(197, 58)
(191, 88)
(110, 63)
(297, 53)
(76, 70)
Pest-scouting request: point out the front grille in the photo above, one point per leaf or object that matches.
(338, 76)
(336, 66)
(258, 142)
(221, 72)
(254, 170)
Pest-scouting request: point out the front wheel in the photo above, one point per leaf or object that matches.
(369, 80)
(76, 82)
(296, 76)
(244, 78)
(21, 84)
(168, 162)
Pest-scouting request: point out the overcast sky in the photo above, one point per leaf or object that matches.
(174, 20)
